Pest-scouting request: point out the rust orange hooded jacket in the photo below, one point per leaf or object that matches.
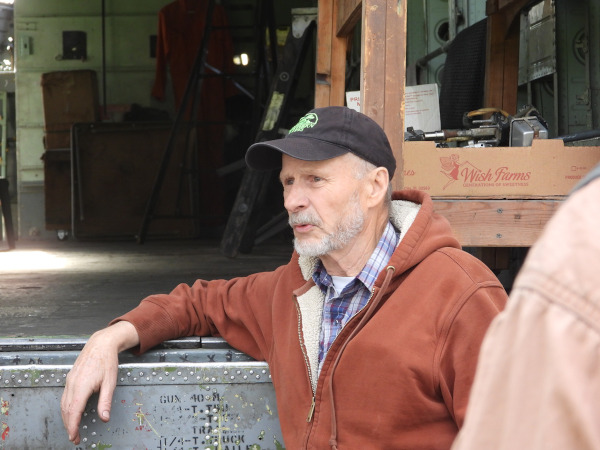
(399, 373)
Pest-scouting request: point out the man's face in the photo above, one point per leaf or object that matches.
(323, 202)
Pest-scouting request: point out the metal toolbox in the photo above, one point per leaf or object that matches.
(193, 393)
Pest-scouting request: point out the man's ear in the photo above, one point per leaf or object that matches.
(378, 183)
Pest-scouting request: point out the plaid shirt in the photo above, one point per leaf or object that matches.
(340, 307)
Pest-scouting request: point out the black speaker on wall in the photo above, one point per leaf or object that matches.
(74, 45)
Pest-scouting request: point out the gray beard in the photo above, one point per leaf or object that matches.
(349, 226)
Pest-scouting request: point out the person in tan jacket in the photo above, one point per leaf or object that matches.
(538, 379)
(373, 328)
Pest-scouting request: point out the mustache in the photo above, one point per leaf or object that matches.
(305, 218)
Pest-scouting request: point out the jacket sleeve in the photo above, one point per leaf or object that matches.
(537, 380)
(239, 310)
(460, 341)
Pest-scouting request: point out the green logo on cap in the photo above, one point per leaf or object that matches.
(308, 121)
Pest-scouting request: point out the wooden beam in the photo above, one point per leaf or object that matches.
(330, 77)
(349, 14)
(497, 223)
(502, 55)
(324, 46)
(383, 61)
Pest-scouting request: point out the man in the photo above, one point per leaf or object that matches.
(538, 382)
(371, 331)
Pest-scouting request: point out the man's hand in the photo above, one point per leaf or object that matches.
(95, 370)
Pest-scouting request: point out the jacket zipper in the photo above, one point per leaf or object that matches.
(311, 411)
(306, 362)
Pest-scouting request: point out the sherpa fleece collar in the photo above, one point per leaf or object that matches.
(402, 215)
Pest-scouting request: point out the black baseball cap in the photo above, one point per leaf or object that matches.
(324, 133)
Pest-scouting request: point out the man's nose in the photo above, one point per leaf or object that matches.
(294, 198)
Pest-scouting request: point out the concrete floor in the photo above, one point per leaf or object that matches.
(72, 288)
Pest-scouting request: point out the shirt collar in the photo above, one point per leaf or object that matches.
(376, 263)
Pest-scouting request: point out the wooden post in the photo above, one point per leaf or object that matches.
(382, 78)
(502, 56)
(330, 74)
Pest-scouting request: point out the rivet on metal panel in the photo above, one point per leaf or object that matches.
(245, 377)
(122, 379)
(179, 373)
(251, 371)
(141, 374)
(159, 378)
(134, 378)
(147, 378)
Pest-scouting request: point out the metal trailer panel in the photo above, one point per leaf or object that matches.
(173, 397)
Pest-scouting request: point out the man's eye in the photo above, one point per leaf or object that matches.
(317, 179)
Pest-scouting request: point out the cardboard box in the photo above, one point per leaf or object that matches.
(69, 97)
(546, 169)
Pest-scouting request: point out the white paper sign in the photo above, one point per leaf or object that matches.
(353, 100)
(422, 107)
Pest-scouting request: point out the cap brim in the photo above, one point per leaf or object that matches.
(267, 155)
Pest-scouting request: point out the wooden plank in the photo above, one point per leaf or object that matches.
(383, 56)
(395, 74)
(330, 80)
(324, 52)
(349, 12)
(494, 67)
(337, 93)
(373, 60)
(502, 56)
(497, 223)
